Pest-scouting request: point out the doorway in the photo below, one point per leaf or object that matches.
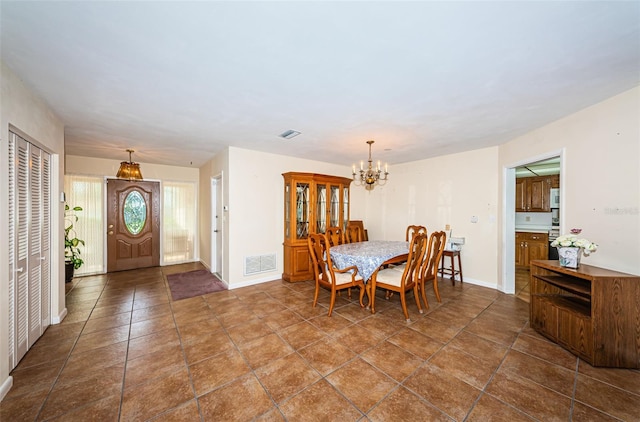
(548, 164)
(217, 218)
(133, 224)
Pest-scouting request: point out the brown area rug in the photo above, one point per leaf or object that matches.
(193, 283)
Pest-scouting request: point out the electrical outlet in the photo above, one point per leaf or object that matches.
(447, 227)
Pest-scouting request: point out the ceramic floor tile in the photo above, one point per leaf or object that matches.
(624, 379)
(403, 405)
(222, 404)
(264, 353)
(154, 365)
(319, 399)
(90, 388)
(265, 349)
(362, 384)
(286, 376)
(545, 373)
(490, 408)
(392, 360)
(529, 397)
(143, 401)
(608, 399)
(414, 342)
(301, 335)
(326, 355)
(100, 339)
(154, 342)
(207, 345)
(248, 331)
(444, 391)
(357, 338)
(215, 371)
(464, 366)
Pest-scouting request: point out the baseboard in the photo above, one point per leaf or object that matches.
(5, 387)
(58, 319)
(253, 282)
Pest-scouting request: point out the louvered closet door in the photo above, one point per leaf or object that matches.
(29, 245)
(45, 253)
(22, 249)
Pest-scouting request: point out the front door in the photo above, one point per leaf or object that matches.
(133, 224)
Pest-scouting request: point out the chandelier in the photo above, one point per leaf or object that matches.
(129, 170)
(370, 176)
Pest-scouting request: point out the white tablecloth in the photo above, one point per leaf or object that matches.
(367, 256)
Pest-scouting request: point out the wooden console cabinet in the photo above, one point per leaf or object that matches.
(592, 312)
(312, 203)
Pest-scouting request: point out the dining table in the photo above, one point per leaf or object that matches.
(368, 256)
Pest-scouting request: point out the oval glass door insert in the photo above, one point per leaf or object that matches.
(135, 212)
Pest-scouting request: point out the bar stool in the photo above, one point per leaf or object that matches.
(451, 270)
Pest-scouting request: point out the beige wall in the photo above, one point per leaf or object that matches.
(31, 116)
(439, 191)
(102, 167)
(253, 187)
(600, 181)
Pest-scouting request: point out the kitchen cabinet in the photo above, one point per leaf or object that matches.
(312, 203)
(531, 246)
(532, 194)
(590, 311)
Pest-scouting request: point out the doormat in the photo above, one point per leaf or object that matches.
(193, 283)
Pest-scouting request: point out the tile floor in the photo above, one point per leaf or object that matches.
(127, 352)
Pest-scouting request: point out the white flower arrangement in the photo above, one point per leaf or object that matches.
(572, 241)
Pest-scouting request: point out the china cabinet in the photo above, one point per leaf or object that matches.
(312, 203)
(590, 311)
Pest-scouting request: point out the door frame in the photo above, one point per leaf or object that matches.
(217, 208)
(508, 269)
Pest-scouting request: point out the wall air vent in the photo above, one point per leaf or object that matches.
(259, 264)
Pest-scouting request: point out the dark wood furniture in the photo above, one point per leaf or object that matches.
(312, 204)
(531, 246)
(451, 270)
(590, 311)
(533, 193)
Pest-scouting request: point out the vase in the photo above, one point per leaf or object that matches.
(569, 256)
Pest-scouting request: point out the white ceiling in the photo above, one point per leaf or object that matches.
(180, 81)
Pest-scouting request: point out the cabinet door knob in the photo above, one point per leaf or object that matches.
(110, 232)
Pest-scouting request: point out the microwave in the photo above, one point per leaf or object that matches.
(554, 199)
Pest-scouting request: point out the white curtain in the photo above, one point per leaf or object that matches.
(87, 192)
(178, 222)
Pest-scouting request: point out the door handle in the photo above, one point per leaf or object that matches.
(19, 270)
(42, 258)
(110, 226)
(215, 231)
(110, 232)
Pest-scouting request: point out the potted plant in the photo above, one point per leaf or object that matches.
(72, 260)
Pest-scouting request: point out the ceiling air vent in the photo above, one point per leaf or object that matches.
(289, 134)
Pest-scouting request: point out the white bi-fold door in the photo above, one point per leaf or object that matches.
(29, 245)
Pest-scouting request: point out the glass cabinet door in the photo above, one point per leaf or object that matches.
(345, 208)
(287, 211)
(334, 208)
(302, 210)
(321, 209)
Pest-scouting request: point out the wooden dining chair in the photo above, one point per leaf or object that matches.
(411, 230)
(430, 264)
(326, 275)
(353, 233)
(335, 236)
(402, 278)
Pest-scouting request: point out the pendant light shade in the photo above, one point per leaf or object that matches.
(129, 170)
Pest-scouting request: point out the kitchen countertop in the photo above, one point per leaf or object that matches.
(533, 228)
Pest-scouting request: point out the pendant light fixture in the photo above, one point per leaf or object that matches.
(129, 170)
(371, 175)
